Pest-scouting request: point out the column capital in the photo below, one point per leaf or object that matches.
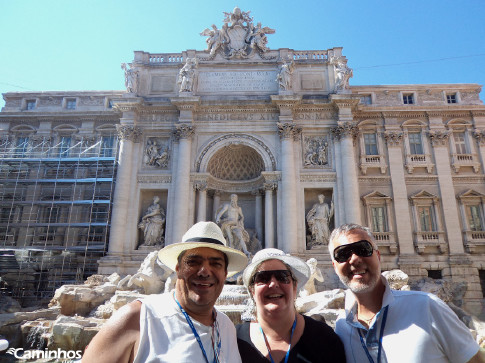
(200, 186)
(439, 138)
(270, 186)
(129, 132)
(393, 138)
(479, 135)
(183, 131)
(288, 130)
(345, 129)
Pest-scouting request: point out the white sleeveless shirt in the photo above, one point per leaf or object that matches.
(165, 335)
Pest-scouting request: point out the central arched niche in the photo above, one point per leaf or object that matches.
(236, 162)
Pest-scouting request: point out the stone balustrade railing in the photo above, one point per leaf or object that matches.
(310, 55)
(165, 58)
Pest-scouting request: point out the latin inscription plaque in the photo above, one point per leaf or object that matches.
(237, 81)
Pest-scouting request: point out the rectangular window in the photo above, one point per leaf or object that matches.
(366, 99)
(379, 219)
(426, 219)
(475, 218)
(107, 143)
(408, 98)
(64, 146)
(460, 144)
(50, 215)
(6, 215)
(415, 143)
(21, 147)
(370, 142)
(435, 274)
(481, 275)
(99, 214)
(71, 103)
(30, 104)
(451, 98)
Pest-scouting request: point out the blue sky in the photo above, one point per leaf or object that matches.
(67, 45)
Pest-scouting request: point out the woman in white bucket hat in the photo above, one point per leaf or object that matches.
(280, 333)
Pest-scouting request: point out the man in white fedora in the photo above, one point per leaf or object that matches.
(179, 326)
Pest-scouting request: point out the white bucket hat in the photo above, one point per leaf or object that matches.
(299, 268)
(204, 234)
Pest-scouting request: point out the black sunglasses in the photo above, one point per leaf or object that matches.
(264, 277)
(361, 248)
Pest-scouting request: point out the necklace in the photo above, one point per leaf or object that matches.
(367, 321)
(289, 346)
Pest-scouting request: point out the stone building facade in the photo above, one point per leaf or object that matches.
(281, 129)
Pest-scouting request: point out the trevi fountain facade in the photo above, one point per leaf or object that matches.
(273, 145)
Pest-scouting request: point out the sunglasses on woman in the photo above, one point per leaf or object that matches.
(264, 277)
(361, 248)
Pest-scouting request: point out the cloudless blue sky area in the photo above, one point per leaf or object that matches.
(76, 45)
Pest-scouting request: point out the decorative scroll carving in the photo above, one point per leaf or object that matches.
(156, 153)
(270, 186)
(288, 130)
(439, 137)
(131, 78)
(200, 186)
(347, 129)
(128, 132)
(393, 138)
(187, 75)
(315, 151)
(238, 37)
(183, 131)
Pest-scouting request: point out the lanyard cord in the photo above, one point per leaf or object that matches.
(197, 337)
(289, 346)
(383, 324)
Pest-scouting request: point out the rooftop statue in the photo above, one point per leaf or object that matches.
(238, 37)
(131, 78)
(342, 73)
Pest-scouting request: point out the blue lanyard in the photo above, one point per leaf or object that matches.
(383, 324)
(194, 331)
(289, 347)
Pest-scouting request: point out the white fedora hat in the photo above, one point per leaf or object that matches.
(299, 269)
(204, 234)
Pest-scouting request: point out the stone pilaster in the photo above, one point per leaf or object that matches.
(258, 213)
(128, 135)
(183, 133)
(439, 140)
(201, 188)
(399, 192)
(268, 213)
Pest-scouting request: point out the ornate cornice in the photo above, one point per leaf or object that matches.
(438, 137)
(286, 102)
(129, 132)
(183, 131)
(393, 138)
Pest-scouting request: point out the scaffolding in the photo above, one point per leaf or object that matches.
(55, 207)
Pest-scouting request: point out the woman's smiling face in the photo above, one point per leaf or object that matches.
(273, 297)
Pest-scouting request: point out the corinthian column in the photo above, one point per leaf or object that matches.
(345, 133)
(268, 214)
(128, 135)
(201, 188)
(288, 131)
(182, 182)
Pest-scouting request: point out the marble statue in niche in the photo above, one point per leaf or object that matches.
(152, 224)
(318, 219)
(316, 151)
(131, 78)
(231, 220)
(156, 153)
(187, 75)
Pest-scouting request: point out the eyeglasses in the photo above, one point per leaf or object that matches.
(361, 248)
(264, 277)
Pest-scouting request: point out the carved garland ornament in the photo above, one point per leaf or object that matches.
(393, 138)
(479, 135)
(348, 129)
(439, 137)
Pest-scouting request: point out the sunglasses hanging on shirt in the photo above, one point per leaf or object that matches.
(361, 248)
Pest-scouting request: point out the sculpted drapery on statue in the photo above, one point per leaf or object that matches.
(318, 219)
(152, 224)
(187, 75)
(131, 78)
(238, 37)
(284, 76)
(342, 73)
(232, 224)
